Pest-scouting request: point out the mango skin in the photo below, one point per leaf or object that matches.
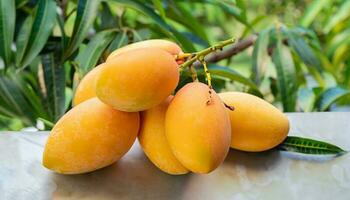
(86, 87)
(137, 79)
(165, 45)
(153, 141)
(198, 132)
(256, 124)
(90, 136)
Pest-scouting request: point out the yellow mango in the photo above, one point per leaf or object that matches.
(165, 45)
(138, 79)
(86, 87)
(90, 136)
(197, 127)
(256, 124)
(153, 141)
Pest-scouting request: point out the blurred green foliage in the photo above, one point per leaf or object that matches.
(298, 59)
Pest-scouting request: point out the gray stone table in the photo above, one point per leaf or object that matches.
(268, 175)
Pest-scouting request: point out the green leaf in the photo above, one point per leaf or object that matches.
(108, 20)
(7, 28)
(260, 55)
(179, 13)
(286, 76)
(88, 58)
(86, 14)
(303, 50)
(13, 102)
(232, 75)
(120, 40)
(309, 146)
(306, 99)
(158, 5)
(164, 27)
(331, 95)
(312, 11)
(53, 85)
(44, 21)
(23, 39)
(341, 14)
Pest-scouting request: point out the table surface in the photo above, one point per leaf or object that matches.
(268, 175)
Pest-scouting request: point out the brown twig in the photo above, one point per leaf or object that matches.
(235, 49)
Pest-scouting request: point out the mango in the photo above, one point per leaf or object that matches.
(153, 141)
(138, 79)
(90, 136)
(86, 87)
(165, 45)
(256, 124)
(197, 128)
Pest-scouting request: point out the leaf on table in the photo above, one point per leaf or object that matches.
(7, 28)
(309, 146)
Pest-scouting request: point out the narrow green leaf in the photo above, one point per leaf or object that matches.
(179, 13)
(341, 14)
(306, 99)
(164, 27)
(120, 40)
(44, 21)
(286, 76)
(312, 11)
(7, 28)
(260, 55)
(86, 14)
(23, 39)
(88, 58)
(330, 96)
(303, 50)
(53, 85)
(13, 102)
(241, 5)
(108, 20)
(232, 75)
(309, 146)
(158, 5)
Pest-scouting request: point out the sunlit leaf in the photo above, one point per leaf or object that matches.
(339, 15)
(86, 14)
(312, 11)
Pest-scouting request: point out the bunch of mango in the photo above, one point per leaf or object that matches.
(131, 96)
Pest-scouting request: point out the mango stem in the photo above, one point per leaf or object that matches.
(193, 57)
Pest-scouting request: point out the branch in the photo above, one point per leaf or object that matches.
(235, 49)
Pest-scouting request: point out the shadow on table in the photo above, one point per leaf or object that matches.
(137, 178)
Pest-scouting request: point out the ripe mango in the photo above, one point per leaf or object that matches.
(165, 45)
(153, 141)
(90, 136)
(256, 124)
(138, 79)
(86, 87)
(197, 127)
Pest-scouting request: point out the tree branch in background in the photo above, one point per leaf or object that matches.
(235, 49)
